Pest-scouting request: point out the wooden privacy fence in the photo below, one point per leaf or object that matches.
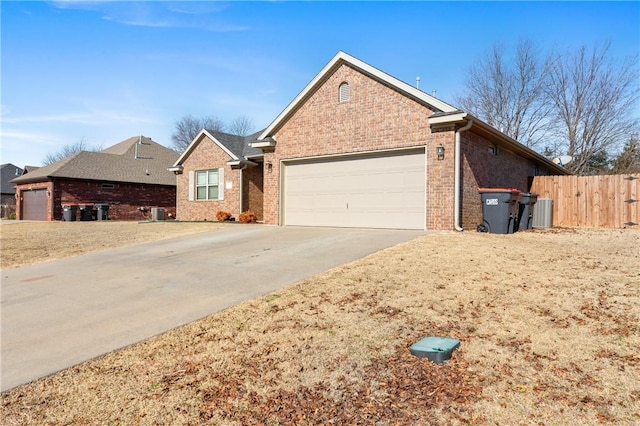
(607, 201)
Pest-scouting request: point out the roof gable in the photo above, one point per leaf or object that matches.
(237, 147)
(343, 58)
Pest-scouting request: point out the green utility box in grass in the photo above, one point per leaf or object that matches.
(436, 349)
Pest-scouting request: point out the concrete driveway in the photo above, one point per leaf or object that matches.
(60, 313)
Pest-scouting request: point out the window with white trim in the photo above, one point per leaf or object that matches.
(344, 92)
(206, 185)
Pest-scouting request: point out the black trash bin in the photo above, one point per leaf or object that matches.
(69, 213)
(85, 212)
(525, 212)
(499, 210)
(103, 211)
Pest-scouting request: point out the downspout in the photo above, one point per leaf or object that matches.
(456, 177)
(241, 189)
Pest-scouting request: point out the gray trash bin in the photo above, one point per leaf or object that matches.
(103, 211)
(499, 210)
(525, 212)
(69, 213)
(86, 212)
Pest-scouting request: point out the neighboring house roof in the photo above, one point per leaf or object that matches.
(28, 169)
(338, 60)
(237, 147)
(136, 160)
(8, 172)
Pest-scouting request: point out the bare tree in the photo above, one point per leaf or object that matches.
(188, 127)
(242, 126)
(508, 93)
(67, 151)
(629, 159)
(593, 99)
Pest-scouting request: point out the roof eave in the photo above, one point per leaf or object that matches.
(266, 144)
(258, 157)
(448, 119)
(521, 149)
(35, 179)
(459, 117)
(239, 164)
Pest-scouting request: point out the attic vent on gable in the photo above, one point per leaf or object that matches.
(345, 92)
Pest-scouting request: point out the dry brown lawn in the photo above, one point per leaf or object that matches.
(548, 320)
(24, 243)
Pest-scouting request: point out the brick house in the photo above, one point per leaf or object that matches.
(8, 202)
(359, 148)
(223, 173)
(129, 178)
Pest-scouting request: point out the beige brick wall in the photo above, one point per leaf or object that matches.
(375, 118)
(253, 190)
(206, 156)
(440, 181)
(482, 168)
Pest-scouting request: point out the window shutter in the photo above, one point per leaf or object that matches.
(192, 185)
(221, 184)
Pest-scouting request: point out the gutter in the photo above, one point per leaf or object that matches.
(241, 164)
(456, 178)
(176, 169)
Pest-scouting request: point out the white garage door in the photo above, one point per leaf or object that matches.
(369, 191)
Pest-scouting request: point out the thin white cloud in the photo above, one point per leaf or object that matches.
(16, 135)
(27, 147)
(90, 118)
(159, 14)
(49, 118)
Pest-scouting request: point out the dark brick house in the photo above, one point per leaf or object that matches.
(8, 202)
(130, 178)
(359, 148)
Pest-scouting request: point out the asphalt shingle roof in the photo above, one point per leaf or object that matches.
(135, 160)
(239, 145)
(7, 173)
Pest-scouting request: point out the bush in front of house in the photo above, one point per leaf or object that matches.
(248, 217)
(222, 216)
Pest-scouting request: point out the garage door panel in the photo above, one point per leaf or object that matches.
(34, 204)
(383, 191)
(374, 219)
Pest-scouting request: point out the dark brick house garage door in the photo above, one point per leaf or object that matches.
(369, 191)
(34, 204)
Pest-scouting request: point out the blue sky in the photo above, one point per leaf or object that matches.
(106, 71)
